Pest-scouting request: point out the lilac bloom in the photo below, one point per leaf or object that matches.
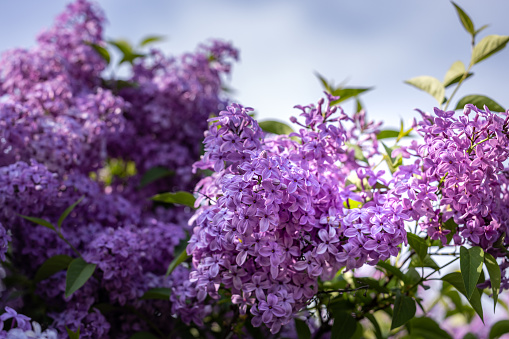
(271, 308)
(273, 251)
(329, 238)
(259, 284)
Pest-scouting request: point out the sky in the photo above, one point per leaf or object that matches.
(283, 43)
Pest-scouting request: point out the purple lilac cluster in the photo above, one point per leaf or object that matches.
(60, 122)
(21, 328)
(460, 175)
(276, 216)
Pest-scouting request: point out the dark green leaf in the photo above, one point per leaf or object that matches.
(427, 328)
(376, 326)
(455, 73)
(495, 275)
(78, 273)
(465, 20)
(404, 310)
(430, 85)
(151, 39)
(456, 280)
(394, 270)
(344, 326)
(103, 52)
(181, 197)
(143, 335)
(479, 101)
(488, 46)
(499, 328)
(275, 127)
(347, 93)
(39, 221)
(67, 212)
(387, 133)
(162, 293)
(177, 261)
(73, 335)
(302, 329)
(426, 262)
(469, 335)
(471, 261)
(372, 283)
(51, 266)
(153, 174)
(418, 244)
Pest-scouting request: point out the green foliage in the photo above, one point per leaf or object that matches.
(488, 46)
(344, 325)
(456, 280)
(430, 85)
(387, 133)
(426, 328)
(154, 174)
(455, 73)
(275, 127)
(39, 221)
(471, 261)
(479, 101)
(404, 310)
(127, 51)
(495, 275)
(73, 335)
(418, 244)
(177, 261)
(499, 328)
(78, 273)
(465, 20)
(161, 293)
(68, 211)
(51, 266)
(302, 329)
(103, 52)
(151, 39)
(181, 198)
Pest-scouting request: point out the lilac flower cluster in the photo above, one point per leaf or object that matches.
(60, 125)
(460, 176)
(276, 216)
(21, 328)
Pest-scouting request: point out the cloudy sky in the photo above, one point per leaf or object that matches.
(282, 43)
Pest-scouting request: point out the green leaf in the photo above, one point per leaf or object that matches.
(162, 293)
(469, 335)
(455, 73)
(488, 46)
(51, 266)
(103, 52)
(73, 335)
(404, 310)
(418, 244)
(126, 49)
(324, 82)
(153, 174)
(39, 221)
(344, 325)
(359, 155)
(426, 262)
(499, 328)
(181, 197)
(177, 261)
(465, 20)
(427, 328)
(376, 326)
(456, 280)
(479, 101)
(302, 328)
(143, 335)
(387, 133)
(67, 212)
(275, 127)
(394, 270)
(430, 85)
(347, 93)
(372, 283)
(78, 273)
(481, 29)
(495, 275)
(150, 39)
(471, 261)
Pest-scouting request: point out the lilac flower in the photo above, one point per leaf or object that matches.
(271, 308)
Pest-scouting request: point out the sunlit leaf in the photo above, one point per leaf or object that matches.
(465, 20)
(387, 133)
(418, 244)
(499, 328)
(455, 73)
(151, 39)
(488, 46)
(275, 127)
(347, 93)
(430, 85)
